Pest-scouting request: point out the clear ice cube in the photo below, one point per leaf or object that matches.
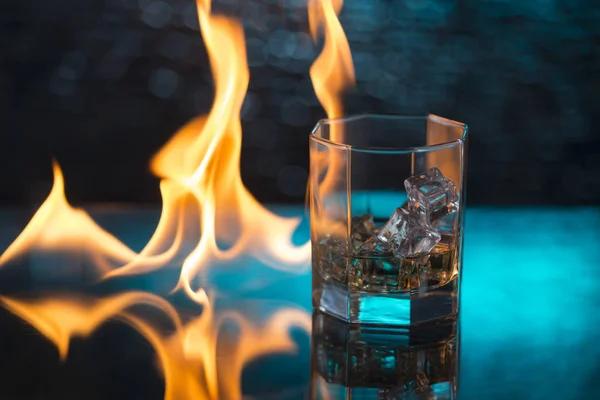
(412, 230)
(405, 234)
(418, 240)
(330, 253)
(374, 246)
(380, 242)
(431, 194)
(395, 227)
(363, 227)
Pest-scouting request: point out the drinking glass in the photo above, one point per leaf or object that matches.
(387, 197)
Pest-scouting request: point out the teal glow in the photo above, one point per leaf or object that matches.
(530, 303)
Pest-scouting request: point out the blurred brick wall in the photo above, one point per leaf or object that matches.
(102, 84)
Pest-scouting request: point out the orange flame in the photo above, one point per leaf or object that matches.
(203, 157)
(331, 74)
(59, 227)
(333, 71)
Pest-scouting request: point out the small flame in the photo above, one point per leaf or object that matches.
(57, 226)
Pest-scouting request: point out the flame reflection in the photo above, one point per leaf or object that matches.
(196, 362)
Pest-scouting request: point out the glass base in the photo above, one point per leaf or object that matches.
(372, 308)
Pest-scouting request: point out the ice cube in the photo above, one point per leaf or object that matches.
(374, 247)
(331, 255)
(405, 234)
(395, 226)
(363, 227)
(378, 244)
(431, 195)
(419, 239)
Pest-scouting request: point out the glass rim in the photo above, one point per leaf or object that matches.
(394, 150)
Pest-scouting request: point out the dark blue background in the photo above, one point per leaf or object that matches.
(102, 84)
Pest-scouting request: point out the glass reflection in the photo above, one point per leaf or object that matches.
(358, 362)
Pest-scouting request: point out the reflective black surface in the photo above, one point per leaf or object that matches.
(528, 329)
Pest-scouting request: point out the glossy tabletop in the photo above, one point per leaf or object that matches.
(529, 323)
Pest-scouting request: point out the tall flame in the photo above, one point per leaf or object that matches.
(203, 157)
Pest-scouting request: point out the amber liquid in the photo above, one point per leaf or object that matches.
(386, 273)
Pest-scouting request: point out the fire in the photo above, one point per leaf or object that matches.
(56, 226)
(200, 175)
(203, 158)
(333, 71)
(205, 208)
